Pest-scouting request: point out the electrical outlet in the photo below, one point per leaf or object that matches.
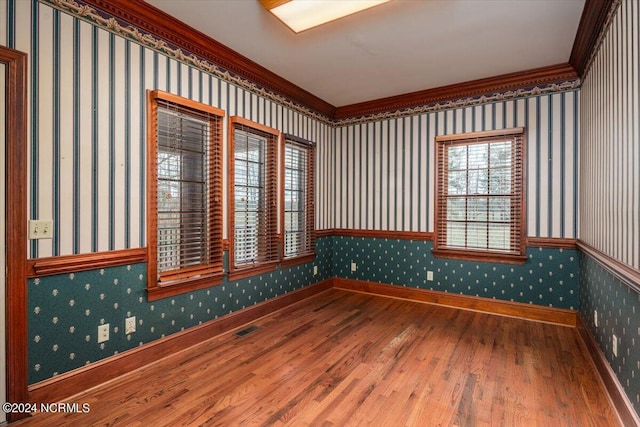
(103, 333)
(595, 317)
(430, 276)
(315, 270)
(130, 325)
(615, 345)
(40, 229)
(354, 267)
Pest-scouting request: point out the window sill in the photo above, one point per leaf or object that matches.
(183, 286)
(469, 255)
(253, 270)
(297, 260)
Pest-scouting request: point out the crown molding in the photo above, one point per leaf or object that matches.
(593, 21)
(512, 81)
(177, 37)
(164, 26)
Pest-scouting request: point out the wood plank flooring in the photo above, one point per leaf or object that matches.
(349, 359)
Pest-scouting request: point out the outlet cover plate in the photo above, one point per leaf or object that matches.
(130, 325)
(103, 333)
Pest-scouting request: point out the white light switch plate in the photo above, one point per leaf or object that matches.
(40, 229)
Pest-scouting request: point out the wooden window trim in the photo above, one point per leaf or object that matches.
(237, 272)
(187, 280)
(471, 254)
(307, 256)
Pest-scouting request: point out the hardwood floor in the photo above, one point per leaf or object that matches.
(344, 358)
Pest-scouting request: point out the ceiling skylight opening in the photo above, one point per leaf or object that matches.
(301, 15)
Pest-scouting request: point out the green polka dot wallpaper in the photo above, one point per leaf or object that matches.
(66, 310)
(549, 277)
(618, 308)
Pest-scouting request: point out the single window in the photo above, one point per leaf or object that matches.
(184, 195)
(480, 196)
(299, 220)
(253, 215)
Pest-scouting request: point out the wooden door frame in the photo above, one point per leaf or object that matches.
(16, 226)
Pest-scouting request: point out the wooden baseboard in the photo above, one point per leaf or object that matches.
(619, 400)
(487, 305)
(71, 383)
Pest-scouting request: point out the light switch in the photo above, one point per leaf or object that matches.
(40, 229)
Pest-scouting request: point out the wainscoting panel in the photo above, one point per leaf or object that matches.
(618, 307)
(549, 277)
(65, 310)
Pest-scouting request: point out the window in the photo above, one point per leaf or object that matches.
(184, 195)
(253, 210)
(298, 197)
(480, 196)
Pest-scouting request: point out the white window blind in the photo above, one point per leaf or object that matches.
(298, 197)
(480, 193)
(187, 191)
(255, 196)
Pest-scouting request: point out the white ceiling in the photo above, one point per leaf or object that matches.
(399, 47)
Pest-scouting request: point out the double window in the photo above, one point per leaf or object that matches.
(184, 194)
(256, 194)
(480, 196)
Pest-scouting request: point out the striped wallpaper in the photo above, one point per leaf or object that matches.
(87, 113)
(610, 150)
(87, 134)
(382, 173)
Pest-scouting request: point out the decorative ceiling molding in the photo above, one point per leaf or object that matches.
(506, 82)
(164, 26)
(505, 95)
(595, 19)
(150, 27)
(103, 19)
